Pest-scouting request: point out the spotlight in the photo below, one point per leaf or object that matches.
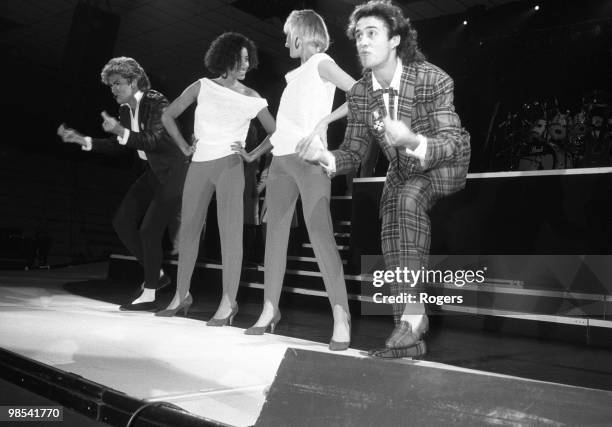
(537, 7)
(465, 22)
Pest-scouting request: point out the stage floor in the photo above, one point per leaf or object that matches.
(218, 373)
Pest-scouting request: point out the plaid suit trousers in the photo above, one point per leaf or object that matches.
(406, 234)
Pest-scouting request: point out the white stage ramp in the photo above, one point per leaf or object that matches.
(216, 372)
(222, 375)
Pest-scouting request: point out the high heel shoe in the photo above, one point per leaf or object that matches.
(341, 345)
(226, 320)
(259, 330)
(184, 305)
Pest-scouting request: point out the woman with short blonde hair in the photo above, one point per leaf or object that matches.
(304, 111)
(309, 27)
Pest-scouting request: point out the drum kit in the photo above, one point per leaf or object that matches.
(543, 135)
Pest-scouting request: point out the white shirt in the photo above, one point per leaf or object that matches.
(222, 117)
(307, 99)
(133, 124)
(420, 151)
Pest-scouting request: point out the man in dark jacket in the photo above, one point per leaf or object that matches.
(154, 199)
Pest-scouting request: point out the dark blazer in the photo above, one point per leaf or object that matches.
(163, 155)
(426, 105)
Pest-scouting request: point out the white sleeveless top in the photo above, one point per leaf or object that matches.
(222, 117)
(305, 101)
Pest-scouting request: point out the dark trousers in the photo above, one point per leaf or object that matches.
(144, 214)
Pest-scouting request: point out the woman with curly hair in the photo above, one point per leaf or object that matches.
(224, 110)
(305, 108)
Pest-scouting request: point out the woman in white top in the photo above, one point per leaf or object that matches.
(224, 110)
(305, 105)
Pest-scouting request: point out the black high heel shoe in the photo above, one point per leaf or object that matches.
(184, 305)
(226, 320)
(259, 330)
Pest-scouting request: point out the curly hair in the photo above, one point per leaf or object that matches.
(223, 54)
(127, 68)
(397, 25)
(309, 26)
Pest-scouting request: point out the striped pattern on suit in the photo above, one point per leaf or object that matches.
(426, 106)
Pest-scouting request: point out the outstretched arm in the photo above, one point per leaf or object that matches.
(106, 145)
(348, 156)
(175, 109)
(70, 135)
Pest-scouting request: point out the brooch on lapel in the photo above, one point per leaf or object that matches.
(377, 122)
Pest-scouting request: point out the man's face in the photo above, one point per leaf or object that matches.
(123, 90)
(374, 47)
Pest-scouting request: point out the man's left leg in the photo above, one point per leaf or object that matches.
(406, 236)
(162, 210)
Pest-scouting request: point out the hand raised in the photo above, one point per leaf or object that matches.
(110, 124)
(398, 134)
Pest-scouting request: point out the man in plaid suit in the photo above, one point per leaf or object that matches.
(405, 105)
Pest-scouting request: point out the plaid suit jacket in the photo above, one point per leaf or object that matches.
(425, 104)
